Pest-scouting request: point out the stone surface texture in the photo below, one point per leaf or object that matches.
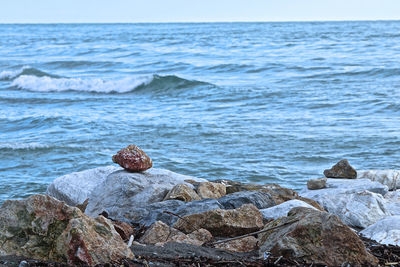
(385, 231)
(123, 191)
(211, 190)
(223, 223)
(44, 228)
(393, 202)
(133, 159)
(314, 184)
(315, 237)
(160, 233)
(391, 178)
(259, 199)
(182, 192)
(342, 169)
(75, 188)
(282, 209)
(359, 209)
(245, 244)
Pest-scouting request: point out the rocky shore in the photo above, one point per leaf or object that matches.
(136, 215)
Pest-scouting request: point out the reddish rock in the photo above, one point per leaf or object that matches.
(123, 229)
(133, 159)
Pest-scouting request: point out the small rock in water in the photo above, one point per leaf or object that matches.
(314, 184)
(342, 169)
(133, 159)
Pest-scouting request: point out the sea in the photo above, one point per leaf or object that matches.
(273, 102)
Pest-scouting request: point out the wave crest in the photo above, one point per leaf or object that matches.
(9, 75)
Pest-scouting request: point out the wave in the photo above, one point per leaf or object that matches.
(9, 75)
(23, 146)
(153, 83)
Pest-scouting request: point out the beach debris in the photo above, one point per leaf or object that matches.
(223, 223)
(44, 228)
(317, 237)
(182, 192)
(342, 169)
(314, 184)
(133, 159)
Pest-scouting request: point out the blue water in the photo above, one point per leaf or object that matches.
(260, 102)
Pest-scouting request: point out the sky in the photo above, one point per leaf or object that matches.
(108, 11)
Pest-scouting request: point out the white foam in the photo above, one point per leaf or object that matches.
(22, 146)
(10, 74)
(48, 84)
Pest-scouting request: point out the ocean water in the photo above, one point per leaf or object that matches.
(259, 102)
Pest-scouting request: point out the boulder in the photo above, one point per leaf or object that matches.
(359, 209)
(167, 211)
(123, 191)
(211, 190)
(123, 229)
(282, 209)
(75, 188)
(223, 223)
(160, 233)
(393, 202)
(391, 178)
(133, 159)
(245, 244)
(314, 184)
(182, 192)
(259, 199)
(44, 228)
(342, 169)
(385, 231)
(315, 237)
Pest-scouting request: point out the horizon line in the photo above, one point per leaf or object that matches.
(194, 22)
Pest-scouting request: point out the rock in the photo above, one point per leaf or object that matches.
(391, 178)
(385, 231)
(123, 229)
(282, 209)
(182, 192)
(393, 202)
(160, 233)
(337, 186)
(314, 184)
(75, 188)
(316, 238)
(342, 169)
(260, 199)
(223, 223)
(167, 211)
(211, 190)
(245, 244)
(359, 209)
(311, 202)
(44, 228)
(123, 191)
(133, 159)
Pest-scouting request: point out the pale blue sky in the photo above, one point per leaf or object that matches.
(48, 11)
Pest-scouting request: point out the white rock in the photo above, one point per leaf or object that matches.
(283, 208)
(391, 178)
(385, 231)
(75, 188)
(360, 209)
(122, 191)
(393, 202)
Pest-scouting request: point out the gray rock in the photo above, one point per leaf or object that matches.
(342, 169)
(282, 209)
(393, 202)
(314, 184)
(260, 199)
(391, 178)
(357, 209)
(336, 186)
(75, 188)
(385, 231)
(123, 191)
(167, 211)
